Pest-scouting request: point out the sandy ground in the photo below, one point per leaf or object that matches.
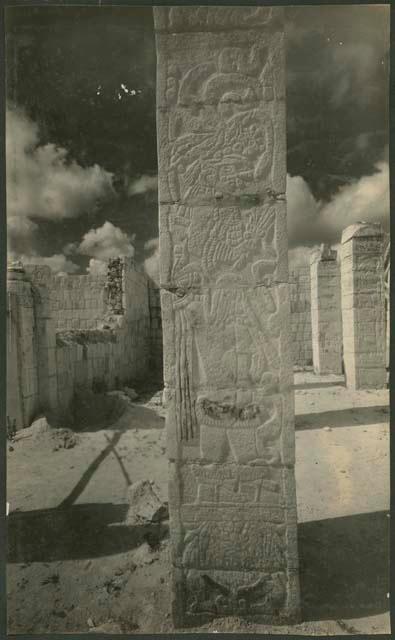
(74, 565)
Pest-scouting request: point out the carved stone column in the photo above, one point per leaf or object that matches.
(326, 319)
(363, 306)
(225, 305)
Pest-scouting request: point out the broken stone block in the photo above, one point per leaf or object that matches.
(131, 393)
(145, 505)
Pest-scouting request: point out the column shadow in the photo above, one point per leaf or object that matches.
(318, 385)
(77, 532)
(344, 566)
(353, 417)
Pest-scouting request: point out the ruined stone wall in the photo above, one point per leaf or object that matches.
(300, 300)
(53, 358)
(118, 352)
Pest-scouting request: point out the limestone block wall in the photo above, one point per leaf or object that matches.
(117, 353)
(76, 301)
(50, 363)
(300, 300)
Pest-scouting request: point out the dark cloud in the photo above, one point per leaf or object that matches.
(86, 77)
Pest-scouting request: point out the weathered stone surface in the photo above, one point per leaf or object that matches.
(205, 246)
(145, 505)
(326, 311)
(363, 306)
(225, 310)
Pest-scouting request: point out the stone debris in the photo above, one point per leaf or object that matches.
(121, 394)
(145, 555)
(131, 393)
(64, 439)
(37, 428)
(107, 627)
(145, 505)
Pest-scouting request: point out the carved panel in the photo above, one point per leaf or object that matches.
(214, 18)
(206, 68)
(222, 152)
(222, 246)
(234, 545)
(222, 593)
(228, 338)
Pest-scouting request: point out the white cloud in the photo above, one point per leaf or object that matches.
(299, 256)
(106, 242)
(57, 262)
(151, 263)
(97, 267)
(143, 185)
(367, 199)
(43, 182)
(302, 211)
(313, 222)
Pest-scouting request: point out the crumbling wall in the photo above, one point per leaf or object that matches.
(300, 299)
(106, 344)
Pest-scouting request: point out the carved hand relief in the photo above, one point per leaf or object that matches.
(225, 247)
(232, 593)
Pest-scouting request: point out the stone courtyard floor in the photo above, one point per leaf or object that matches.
(76, 566)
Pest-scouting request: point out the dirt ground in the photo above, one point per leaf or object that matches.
(76, 566)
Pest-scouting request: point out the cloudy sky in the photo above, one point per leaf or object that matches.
(81, 137)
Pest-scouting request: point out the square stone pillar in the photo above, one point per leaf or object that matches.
(326, 320)
(363, 306)
(225, 307)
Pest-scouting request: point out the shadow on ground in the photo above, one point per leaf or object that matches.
(344, 566)
(354, 417)
(78, 532)
(97, 411)
(318, 385)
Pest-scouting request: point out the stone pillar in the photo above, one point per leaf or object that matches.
(363, 307)
(22, 369)
(225, 308)
(326, 319)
